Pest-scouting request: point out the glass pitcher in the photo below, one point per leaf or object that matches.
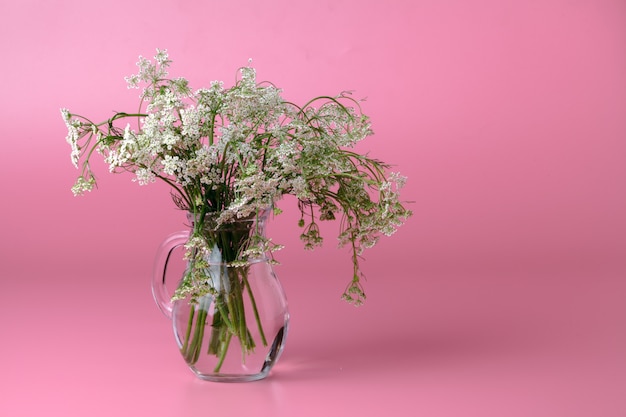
(235, 329)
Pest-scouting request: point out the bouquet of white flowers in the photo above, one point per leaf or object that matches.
(230, 153)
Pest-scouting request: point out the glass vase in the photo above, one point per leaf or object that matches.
(233, 327)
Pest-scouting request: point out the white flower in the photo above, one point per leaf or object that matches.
(161, 56)
(299, 188)
(171, 164)
(73, 135)
(65, 113)
(144, 176)
(132, 81)
(191, 121)
(400, 180)
(83, 185)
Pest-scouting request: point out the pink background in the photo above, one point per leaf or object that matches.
(505, 294)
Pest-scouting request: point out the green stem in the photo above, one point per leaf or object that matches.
(219, 303)
(239, 316)
(255, 310)
(216, 330)
(193, 353)
(223, 351)
(188, 332)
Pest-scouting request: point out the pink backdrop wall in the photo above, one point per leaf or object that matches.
(505, 291)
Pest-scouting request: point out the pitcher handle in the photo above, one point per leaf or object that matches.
(159, 275)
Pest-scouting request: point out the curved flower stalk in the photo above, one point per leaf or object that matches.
(233, 152)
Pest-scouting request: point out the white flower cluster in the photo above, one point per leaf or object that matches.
(235, 151)
(73, 135)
